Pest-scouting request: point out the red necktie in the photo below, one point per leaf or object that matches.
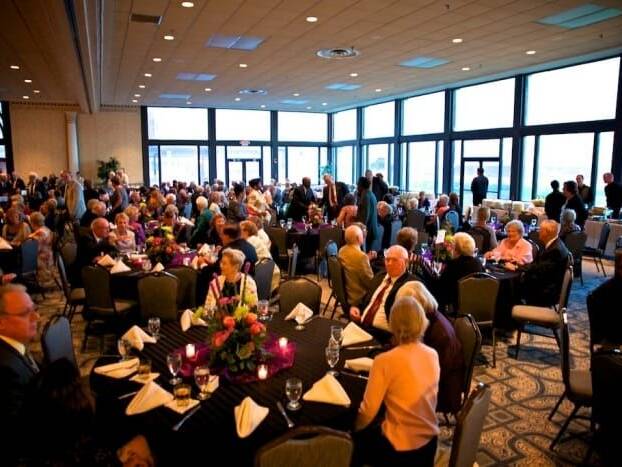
(332, 196)
(373, 309)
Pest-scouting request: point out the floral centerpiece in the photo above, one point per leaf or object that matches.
(314, 213)
(161, 245)
(443, 251)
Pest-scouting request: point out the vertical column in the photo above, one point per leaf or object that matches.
(73, 160)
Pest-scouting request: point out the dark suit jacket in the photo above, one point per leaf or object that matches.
(479, 188)
(249, 252)
(613, 193)
(576, 203)
(542, 279)
(377, 282)
(379, 187)
(88, 249)
(300, 202)
(605, 323)
(15, 374)
(553, 205)
(455, 270)
(341, 189)
(367, 214)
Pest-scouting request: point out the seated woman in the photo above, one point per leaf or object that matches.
(404, 379)
(123, 237)
(133, 213)
(248, 231)
(169, 222)
(15, 230)
(482, 228)
(231, 282)
(441, 336)
(347, 215)
(47, 274)
(461, 265)
(515, 249)
(568, 218)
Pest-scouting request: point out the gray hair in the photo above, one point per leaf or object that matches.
(353, 235)
(419, 292)
(201, 203)
(37, 219)
(235, 256)
(407, 321)
(464, 244)
(518, 225)
(568, 216)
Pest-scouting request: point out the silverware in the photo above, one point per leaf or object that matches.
(129, 394)
(279, 406)
(311, 319)
(364, 347)
(355, 375)
(183, 420)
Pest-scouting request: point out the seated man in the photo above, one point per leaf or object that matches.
(355, 263)
(91, 248)
(231, 238)
(542, 279)
(375, 308)
(95, 209)
(605, 323)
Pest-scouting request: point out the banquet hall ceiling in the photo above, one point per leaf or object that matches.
(90, 52)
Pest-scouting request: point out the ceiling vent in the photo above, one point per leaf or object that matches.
(254, 92)
(150, 19)
(338, 53)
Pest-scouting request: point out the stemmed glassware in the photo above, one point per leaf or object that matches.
(336, 335)
(332, 358)
(173, 361)
(153, 326)
(125, 348)
(293, 391)
(202, 378)
(263, 310)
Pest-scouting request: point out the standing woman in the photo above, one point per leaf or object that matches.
(46, 270)
(366, 211)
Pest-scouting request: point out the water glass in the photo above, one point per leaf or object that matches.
(534, 223)
(125, 349)
(144, 368)
(202, 378)
(146, 265)
(153, 326)
(332, 358)
(290, 222)
(263, 310)
(182, 395)
(293, 391)
(282, 223)
(336, 335)
(173, 361)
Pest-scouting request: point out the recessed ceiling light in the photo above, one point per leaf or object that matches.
(530, 52)
(187, 4)
(263, 106)
(457, 40)
(28, 81)
(134, 101)
(378, 90)
(14, 67)
(308, 107)
(136, 95)
(148, 75)
(354, 75)
(466, 68)
(296, 94)
(36, 91)
(237, 99)
(311, 19)
(189, 102)
(243, 65)
(25, 97)
(324, 103)
(157, 59)
(141, 86)
(208, 89)
(169, 37)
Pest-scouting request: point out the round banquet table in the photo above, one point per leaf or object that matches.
(509, 295)
(213, 426)
(308, 241)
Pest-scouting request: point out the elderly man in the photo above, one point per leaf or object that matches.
(74, 196)
(91, 247)
(613, 193)
(332, 197)
(355, 262)
(574, 201)
(585, 192)
(375, 308)
(96, 209)
(202, 224)
(542, 279)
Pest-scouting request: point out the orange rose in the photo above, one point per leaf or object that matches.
(256, 328)
(219, 338)
(251, 318)
(229, 322)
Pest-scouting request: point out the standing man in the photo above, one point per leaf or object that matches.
(553, 202)
(303, 196)
(479, 187)
(585, 192)
(379, 187)
(367, 211)
(332, 198)
(613, 192)
(74, 196)
(573, 201)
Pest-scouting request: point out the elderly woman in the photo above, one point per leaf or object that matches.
(482, 228)
(170, 222)
(514, 249)
(236, 211)
(347, 215)
(405, 380)
(441, 336)
(385, 218)
(412, 203)
(133, 213)
(214, 202)
(462, 264)
(123, 237)
(442, 206)
(248, 231)
(568, 225)
(15, 230)
(231, 282)
(46, 270)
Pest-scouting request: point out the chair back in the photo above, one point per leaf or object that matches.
(307, 446)
(69, 253)
(564, 347)
(96, 281)
(186, 286)
(606, 371)
(575, 242)
(479, 241)
(415, 219)
(477, 296)
(469, 425)
(565, 288)
(527, 217)
(62, 273)
(423, 236)
(338, 283)
(56, 340)
(299, 290)
(334, 234)
(331, 250)
(604, 237)
(278, 237)
(157, 295)
(293, 262)
(29, 251)
(470, 337)
(453, 219)
(396, 225)
(264, 270)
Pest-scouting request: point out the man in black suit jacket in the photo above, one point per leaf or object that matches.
(542, 279)
(613, 193)
(553, 202)
(303, 196)
(574, 201)
(332, 196)
(91, 247)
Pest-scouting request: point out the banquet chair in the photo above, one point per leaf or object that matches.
(74, 297)
(338, 286)
(299, 290)
(157, 296)
(479, 241)
(307, 446)
(470, 337)
(56, 340)
(575, 242)
(186, 286)
(334, 234)
(396, 225)
(469, 424)
(69, 253)
(278, 237)
(598, 252)
(535, 248)
(477, 296)
(331, 249)
(415, 219)
(452, 218)
(292, 263)
(527, 217)
(547, 318)
(27, 273)
(264, 270)
(577, 383)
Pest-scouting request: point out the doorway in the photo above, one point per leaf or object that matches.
(468, 171)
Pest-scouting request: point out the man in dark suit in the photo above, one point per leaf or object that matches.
(36, 192)
(542, 279)
(574, 201)
(613, 193)
(303, 196)
(585, 192)
(553, 202)
(332, 196)
(479, 187)
(367, 212)
(379, 187)
(91, 247)
(231, 239)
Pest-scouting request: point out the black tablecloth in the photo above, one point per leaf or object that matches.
(509, 295)
(213, 427)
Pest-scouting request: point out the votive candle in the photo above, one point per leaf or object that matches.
(262, 371)
(190, 351)
(283, 343)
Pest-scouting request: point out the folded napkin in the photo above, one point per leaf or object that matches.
(158, 268)
(119, 267)
(359, 364)
(300, 313)
(149, 397)
(188, 319)
(138, 337)
(4, 245)
(118, 370)
(135, 256)
(248, 416)
(181, 410)
(328, 390)
(148, 379)
(184, 221)
(353, 334)
(205, 249)
(106, 261)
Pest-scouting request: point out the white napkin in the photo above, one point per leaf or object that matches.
(184, 221)
(149, 397)
(119, 267)
(205, 249)
(118, 370)
(135, 256)
(148, 379)
(4, 245)
(181, 410)
(359, 364)
(158, 268)
(188, 319)
(353, 334)
(440, 236)
(328, 390)
(248, 416)
(138, 337)
(106, 261)
(300, 313)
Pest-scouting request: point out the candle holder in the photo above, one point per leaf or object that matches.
(262, 371)
(190, 351)
(283, 343)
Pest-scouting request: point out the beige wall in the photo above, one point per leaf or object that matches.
(40, 140)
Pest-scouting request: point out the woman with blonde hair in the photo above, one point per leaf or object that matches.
(249, 232)
(15, 230)
(123, 237)
(404, 379)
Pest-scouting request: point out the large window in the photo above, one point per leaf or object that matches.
(179, 163)
(573, 94)
(605, 155)
(529, 147)
(488, 105)
(243, 163)
(177, 124)
(379, 159)
(299, 162)
(300, 126)
(344, 125)
(424, 114)
(379, 120)
(345, 164)
(252, 125)
(422, 160)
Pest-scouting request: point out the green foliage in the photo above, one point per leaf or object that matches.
(105, 167)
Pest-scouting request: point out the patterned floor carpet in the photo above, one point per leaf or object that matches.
(517, 431)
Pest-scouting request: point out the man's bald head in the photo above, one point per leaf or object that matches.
(549, 229)
(396, 261)
(354, 235)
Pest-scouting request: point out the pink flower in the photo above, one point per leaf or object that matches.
(219, 338)
(257, 328)
(228, 322)
(251, 318)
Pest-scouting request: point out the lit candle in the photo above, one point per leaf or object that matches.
(190, 351)
(283, 343)
(262, 371)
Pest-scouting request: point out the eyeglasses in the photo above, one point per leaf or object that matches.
(23, 314)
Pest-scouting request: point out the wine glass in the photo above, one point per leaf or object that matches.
(534, 223)
(290, 222)
(263, 310)
(332, 358)
(146, 265)
(173, 361)
(336, 335)
(202, 378)
(125, 348)
(153, 326)
(293, 391)
(282, 223)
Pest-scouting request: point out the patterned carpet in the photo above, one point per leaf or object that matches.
(517, 431)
